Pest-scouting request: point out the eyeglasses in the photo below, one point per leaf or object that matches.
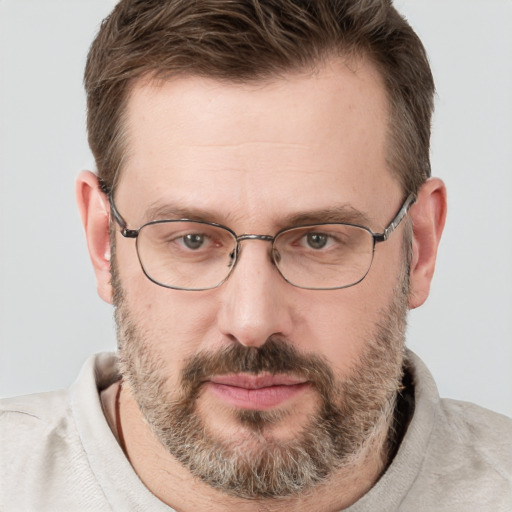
(194, 255)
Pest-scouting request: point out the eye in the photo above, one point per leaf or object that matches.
(317, 240)
(194, 241)
(311, 239)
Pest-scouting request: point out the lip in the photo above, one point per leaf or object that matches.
(256, 392)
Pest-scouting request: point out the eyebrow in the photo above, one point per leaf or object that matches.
(173, 212)
(344, 214)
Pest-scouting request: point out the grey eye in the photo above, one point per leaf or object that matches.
(193, 241)
(317, 240)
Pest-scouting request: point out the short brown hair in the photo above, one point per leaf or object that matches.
(248, 40)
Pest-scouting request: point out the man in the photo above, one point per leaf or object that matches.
(262, 219)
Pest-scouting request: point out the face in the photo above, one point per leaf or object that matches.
(258, 387)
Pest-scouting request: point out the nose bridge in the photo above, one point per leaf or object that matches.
(254, 306)
(264, 238)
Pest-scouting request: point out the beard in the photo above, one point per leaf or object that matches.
(353, 410)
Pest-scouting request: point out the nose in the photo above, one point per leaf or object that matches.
(256, 300)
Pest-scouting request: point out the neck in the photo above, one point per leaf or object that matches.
(173, 484)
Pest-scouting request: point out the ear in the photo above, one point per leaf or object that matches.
(428, 216)
(95, 213)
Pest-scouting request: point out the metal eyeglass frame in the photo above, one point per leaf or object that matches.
(377, 238)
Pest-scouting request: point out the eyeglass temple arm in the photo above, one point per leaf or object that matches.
(382, 237)
(127, 233)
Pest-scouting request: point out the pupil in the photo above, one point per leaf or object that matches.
(193, 241)
(317, 241)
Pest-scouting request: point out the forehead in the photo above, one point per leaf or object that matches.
(301, 141)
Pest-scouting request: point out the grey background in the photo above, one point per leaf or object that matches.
(51, 319)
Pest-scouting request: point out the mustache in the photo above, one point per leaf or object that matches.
(275, 356)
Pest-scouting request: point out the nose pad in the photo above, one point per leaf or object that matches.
(275, 256)
(233, 257)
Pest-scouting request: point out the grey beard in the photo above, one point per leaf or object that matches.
(350, 413)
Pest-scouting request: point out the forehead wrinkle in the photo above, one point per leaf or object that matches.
(343, 213)
(238, 145)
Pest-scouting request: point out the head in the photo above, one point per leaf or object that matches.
(262, 116)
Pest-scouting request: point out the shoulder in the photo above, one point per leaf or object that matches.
(36, 437)
(463, 452)
(478, 420)
(23, 420)
(467, 463)
(457, 424)
(40, 406)
(43, 463)
(479, 434)
(51, 415)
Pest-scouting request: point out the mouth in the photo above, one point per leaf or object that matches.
(256, 392)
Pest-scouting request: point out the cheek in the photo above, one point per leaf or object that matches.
(340, 324)
(175, 324)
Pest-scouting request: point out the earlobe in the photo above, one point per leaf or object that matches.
(95, 215)
(428, 216)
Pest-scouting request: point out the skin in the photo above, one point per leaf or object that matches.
(252, 157)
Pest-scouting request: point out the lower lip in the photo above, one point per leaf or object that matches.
(256, 399)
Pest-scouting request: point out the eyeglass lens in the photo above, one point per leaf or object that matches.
(197, 256)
